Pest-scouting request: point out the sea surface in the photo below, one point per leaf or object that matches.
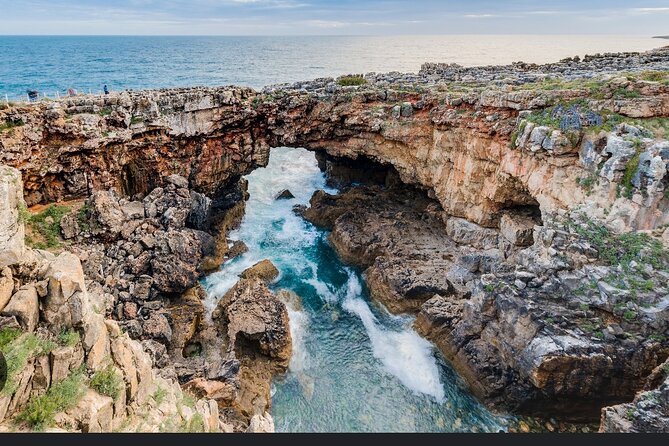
(53, 64)
(355, 367)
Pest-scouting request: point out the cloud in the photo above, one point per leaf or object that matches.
(480, 16)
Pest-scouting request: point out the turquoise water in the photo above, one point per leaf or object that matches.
(52, 64)
(355, 367)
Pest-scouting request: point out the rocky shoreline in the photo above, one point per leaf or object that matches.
(519, 211)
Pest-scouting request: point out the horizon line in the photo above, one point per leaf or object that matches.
(657, 36)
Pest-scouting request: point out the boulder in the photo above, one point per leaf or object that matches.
(93, 413)
(69, 225)
(238, 248)
(517, 229)
(221, 392)
(24, 306)
(263, 270)
(158, 327)
(65, 278)
(255, 318)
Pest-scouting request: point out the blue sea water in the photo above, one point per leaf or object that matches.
(52, 64)
(355, 367)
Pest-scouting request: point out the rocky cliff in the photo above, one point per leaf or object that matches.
(532, 248)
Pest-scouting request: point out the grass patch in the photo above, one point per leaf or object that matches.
(136, 120)
(18, 348)
(624, 93)
(107, 382)
(106, 111)
(587, 183)
(45, 227)
(10, 124)
(68, 338)
(622, 249)
(630, 169)
(159, 395)
(41, 411)
(349, 81)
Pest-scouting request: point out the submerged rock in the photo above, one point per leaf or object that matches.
(284, 195)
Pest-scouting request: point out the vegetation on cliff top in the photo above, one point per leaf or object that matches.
(347, 81)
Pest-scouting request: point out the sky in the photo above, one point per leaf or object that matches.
(333, 17)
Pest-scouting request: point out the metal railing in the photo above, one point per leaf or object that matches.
(25, 98)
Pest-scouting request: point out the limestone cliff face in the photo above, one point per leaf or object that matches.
(477, 155)
(477, 152)
(131, 141)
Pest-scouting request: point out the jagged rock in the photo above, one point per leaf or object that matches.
(263, 270)
(6, 286)
(261, 424)
(186, 314)
(24, 306)
(238, 248)
(517, 229)
(175, 266)
(11, 227)
(252, 314)
(221, 392)
(468, 233)
(284, 195)
(648, 413)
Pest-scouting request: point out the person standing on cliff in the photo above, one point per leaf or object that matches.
(106, 90)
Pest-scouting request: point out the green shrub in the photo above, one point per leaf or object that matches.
(10, 124)
(621, 249)
(347, 81)
(18, 348)
(68, 338)
(46, 225)
(629, 315)
(41, 411)
(624, 93)
(107, 382)
(159, 395)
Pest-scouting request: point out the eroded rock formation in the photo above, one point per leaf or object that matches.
(539, 308)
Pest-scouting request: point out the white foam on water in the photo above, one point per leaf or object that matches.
(403, 353)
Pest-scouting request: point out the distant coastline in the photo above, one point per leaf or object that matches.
(660, 37)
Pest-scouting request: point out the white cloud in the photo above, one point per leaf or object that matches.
(479, 16)
(648, 10)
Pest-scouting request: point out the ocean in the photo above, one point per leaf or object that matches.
(53, 64)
